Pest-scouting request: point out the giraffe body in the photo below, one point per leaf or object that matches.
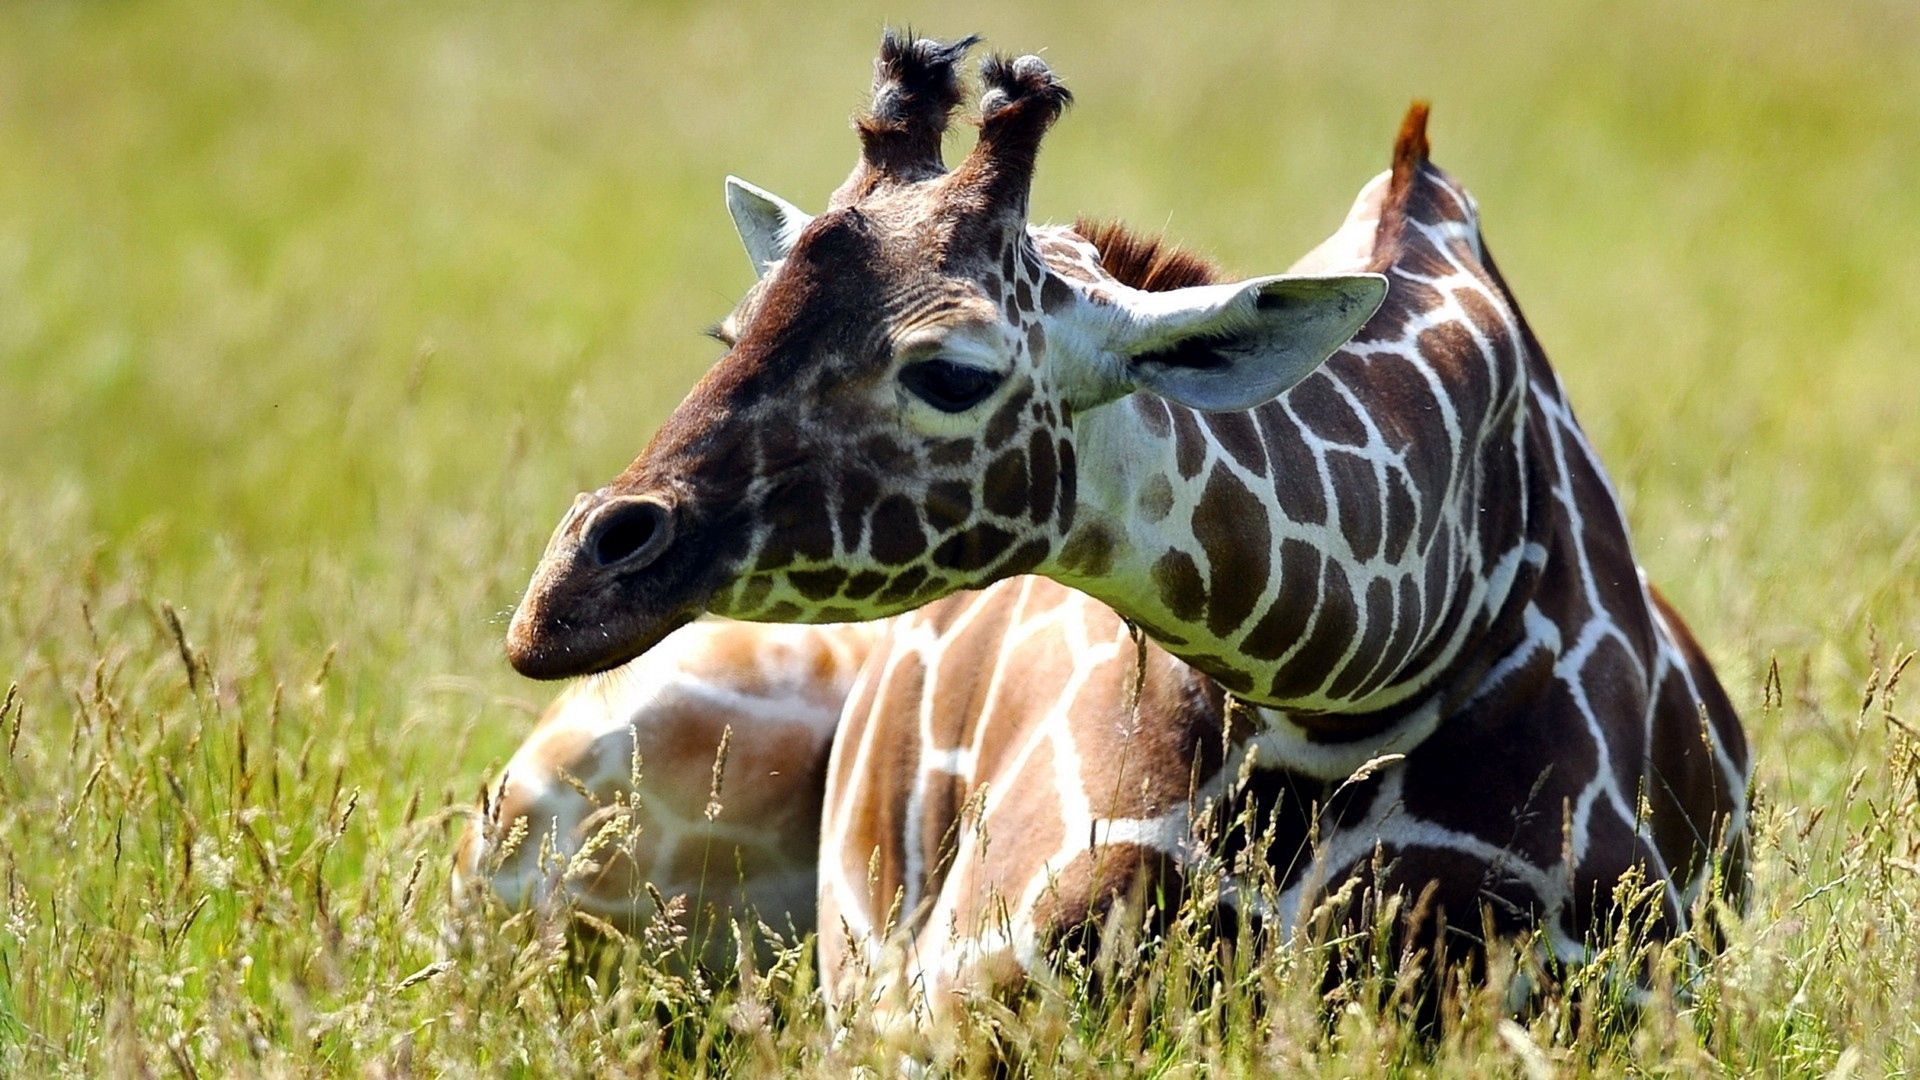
(1354, 497)
(773, 694)
(1589, 739)
(1014, 763)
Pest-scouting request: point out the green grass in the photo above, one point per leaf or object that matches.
(314, 316)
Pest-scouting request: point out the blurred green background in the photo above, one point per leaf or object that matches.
(361, 293)
(314, 316)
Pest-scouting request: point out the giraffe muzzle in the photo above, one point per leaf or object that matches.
(611, 584)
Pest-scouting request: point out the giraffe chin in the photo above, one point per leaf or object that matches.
(539, 647)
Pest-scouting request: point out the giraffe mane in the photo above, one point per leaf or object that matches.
(1155, 264)
(1410, 150)
(1147, 263)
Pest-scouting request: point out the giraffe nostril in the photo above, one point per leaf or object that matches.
(628, 533)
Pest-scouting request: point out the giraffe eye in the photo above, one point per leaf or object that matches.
(948, 386)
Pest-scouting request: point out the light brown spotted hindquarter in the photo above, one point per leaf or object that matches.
(731, 833)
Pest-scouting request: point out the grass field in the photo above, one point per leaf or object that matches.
(313, 317)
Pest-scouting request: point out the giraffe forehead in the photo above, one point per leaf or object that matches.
(952, 315)
(931, 231)
(886, 282)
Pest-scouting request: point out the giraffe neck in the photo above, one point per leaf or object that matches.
(1342, 554)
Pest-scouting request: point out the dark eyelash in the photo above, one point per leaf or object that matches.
(948, 386)
(717, 333)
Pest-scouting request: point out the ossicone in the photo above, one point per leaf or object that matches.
(1021, 99)
(916, 88)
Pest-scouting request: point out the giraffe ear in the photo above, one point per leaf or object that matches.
(1222, 348)
(768, 224)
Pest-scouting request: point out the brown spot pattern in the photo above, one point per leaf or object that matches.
(1006, 421)
(973, 550)
(897, 536)
(1044, 478)
(1326, 642)
(1189, 446)
(1237, 432)
(1231, 525)
(1181, 589)
(949, 505)
(1286, 620)
(1155, 501)
(1006, 491)
(1089, 552)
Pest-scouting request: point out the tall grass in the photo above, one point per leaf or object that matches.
(313, 316)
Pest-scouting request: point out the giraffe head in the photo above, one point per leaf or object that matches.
(893, 419)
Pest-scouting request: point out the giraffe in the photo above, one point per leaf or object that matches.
(1352, 498)
(636, 749)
